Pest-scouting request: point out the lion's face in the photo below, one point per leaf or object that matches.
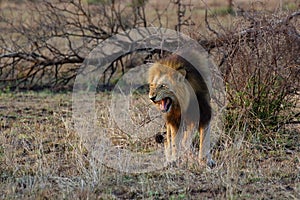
(162, 96)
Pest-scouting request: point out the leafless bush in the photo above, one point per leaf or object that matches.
(44, 43)
(259, 59)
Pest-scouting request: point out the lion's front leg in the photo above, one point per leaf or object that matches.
(168, 143)
(174, 144)
(201, 136)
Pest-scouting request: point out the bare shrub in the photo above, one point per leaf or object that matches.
(260, 64)
(44, 43)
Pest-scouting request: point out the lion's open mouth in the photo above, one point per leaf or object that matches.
(165, 104)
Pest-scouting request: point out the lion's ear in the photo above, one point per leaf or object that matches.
(182, 75)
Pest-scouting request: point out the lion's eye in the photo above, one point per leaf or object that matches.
(163, 86)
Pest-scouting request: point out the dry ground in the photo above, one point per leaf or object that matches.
(42, 158)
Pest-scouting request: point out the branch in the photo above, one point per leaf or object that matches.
(222, 40)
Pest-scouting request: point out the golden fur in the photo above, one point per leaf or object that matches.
(176, 87)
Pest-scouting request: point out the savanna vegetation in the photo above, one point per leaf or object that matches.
(255, 45)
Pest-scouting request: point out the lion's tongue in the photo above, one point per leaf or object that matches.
(164, 104)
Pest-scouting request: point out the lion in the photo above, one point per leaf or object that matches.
(178, 90)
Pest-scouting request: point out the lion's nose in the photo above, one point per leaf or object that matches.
(153, 98)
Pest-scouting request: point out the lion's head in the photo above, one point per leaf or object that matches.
(166, 84)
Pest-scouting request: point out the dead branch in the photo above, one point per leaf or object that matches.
(56, 38)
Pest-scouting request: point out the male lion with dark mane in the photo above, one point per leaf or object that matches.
(178, 90)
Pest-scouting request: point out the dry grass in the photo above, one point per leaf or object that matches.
(42, 157)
